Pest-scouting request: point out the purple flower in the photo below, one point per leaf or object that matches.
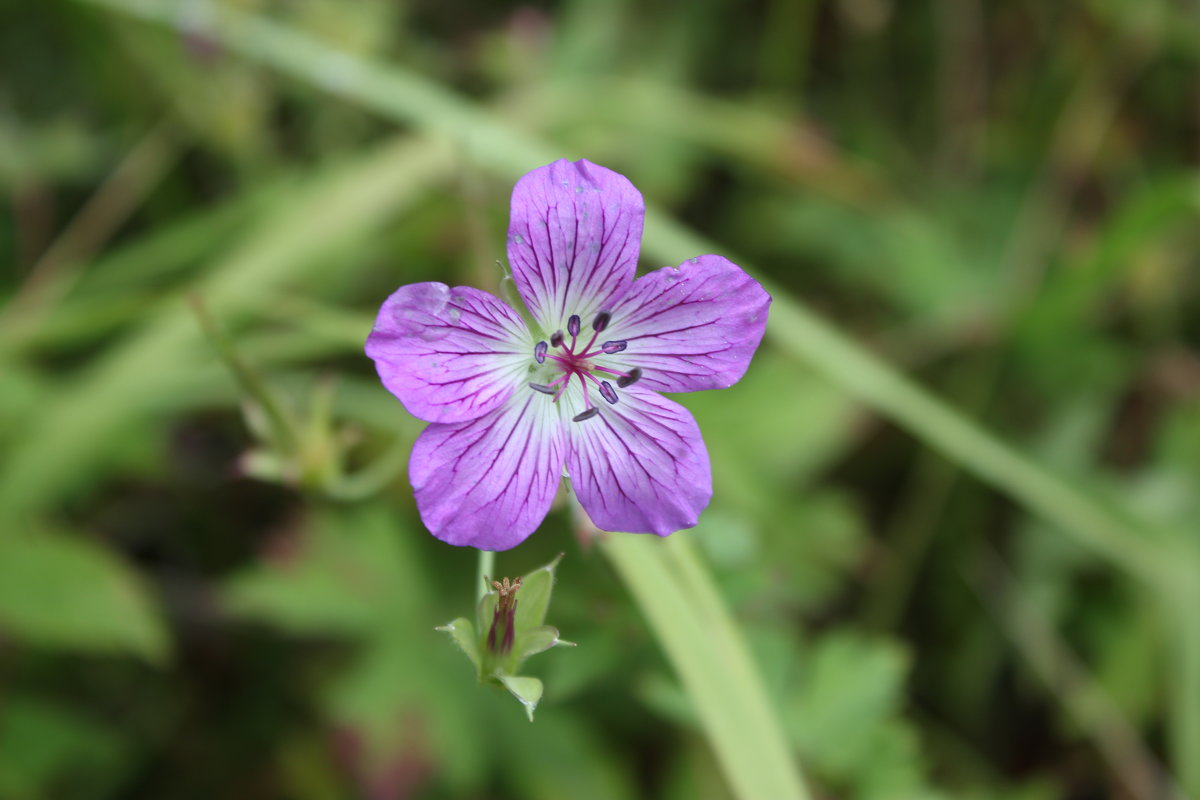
(510, 408)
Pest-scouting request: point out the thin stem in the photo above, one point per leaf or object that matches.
(1184, 687)
(486, 571)
(283, 427)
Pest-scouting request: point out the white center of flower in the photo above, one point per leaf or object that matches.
(572, 360)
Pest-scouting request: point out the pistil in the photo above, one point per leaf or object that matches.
(573, 360)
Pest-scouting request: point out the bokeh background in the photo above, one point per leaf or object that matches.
(956, 495)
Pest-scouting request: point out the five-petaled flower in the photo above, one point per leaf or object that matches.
(510, 408)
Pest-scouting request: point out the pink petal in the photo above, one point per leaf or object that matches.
(573, 240)
(449, 354)
(488, 482)
(692, 327)
(640, 466)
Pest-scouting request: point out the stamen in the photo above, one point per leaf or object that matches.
(557, 339)
(582, 415)
(574, 324)
(600, 324)
(539, 352)
(587, 401)
(609, 393)
(510, 628)
(614, 347)
(491, 637)
(543, 388)
(632, 377)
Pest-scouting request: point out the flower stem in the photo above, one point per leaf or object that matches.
(486, 571)
(675, 593)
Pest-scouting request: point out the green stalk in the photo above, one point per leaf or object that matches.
(688, 617)
(283, 427)
(485, 572)
(1184, 687)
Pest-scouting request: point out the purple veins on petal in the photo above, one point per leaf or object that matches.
(614, 347)
(488, 483)
(692, 327)
(633, 377)
(448, 354)
(641, 467)
(573, 239)
(607, 392)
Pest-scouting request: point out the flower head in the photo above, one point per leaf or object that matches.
(510, 408)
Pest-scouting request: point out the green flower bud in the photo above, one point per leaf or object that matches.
(509, 628)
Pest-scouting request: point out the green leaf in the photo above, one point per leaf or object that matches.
(43, 744)
(346, 574)
(854, 685)
(70, 594)
(527, 690)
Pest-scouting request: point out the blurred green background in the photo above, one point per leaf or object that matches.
(985, 587)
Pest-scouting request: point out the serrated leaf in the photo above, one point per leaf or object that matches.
(527, 690)
(463, 633)
(70, 594)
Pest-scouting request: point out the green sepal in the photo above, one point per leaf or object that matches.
(538, 640)
(463, 633)
(530, 636)
(534, 597)
(483, 615)
(527, 690)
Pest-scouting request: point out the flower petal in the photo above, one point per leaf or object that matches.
(640, 466)
(488, 482)
(449, 354)
(692, 327)
(573, 240)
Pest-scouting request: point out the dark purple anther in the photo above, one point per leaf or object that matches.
(609, 393)
(543, 388)
(539, 352)
(557, 339)
(574, 324)
(601, 321)
(614, 347)
(582, 415)
(632, 377)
